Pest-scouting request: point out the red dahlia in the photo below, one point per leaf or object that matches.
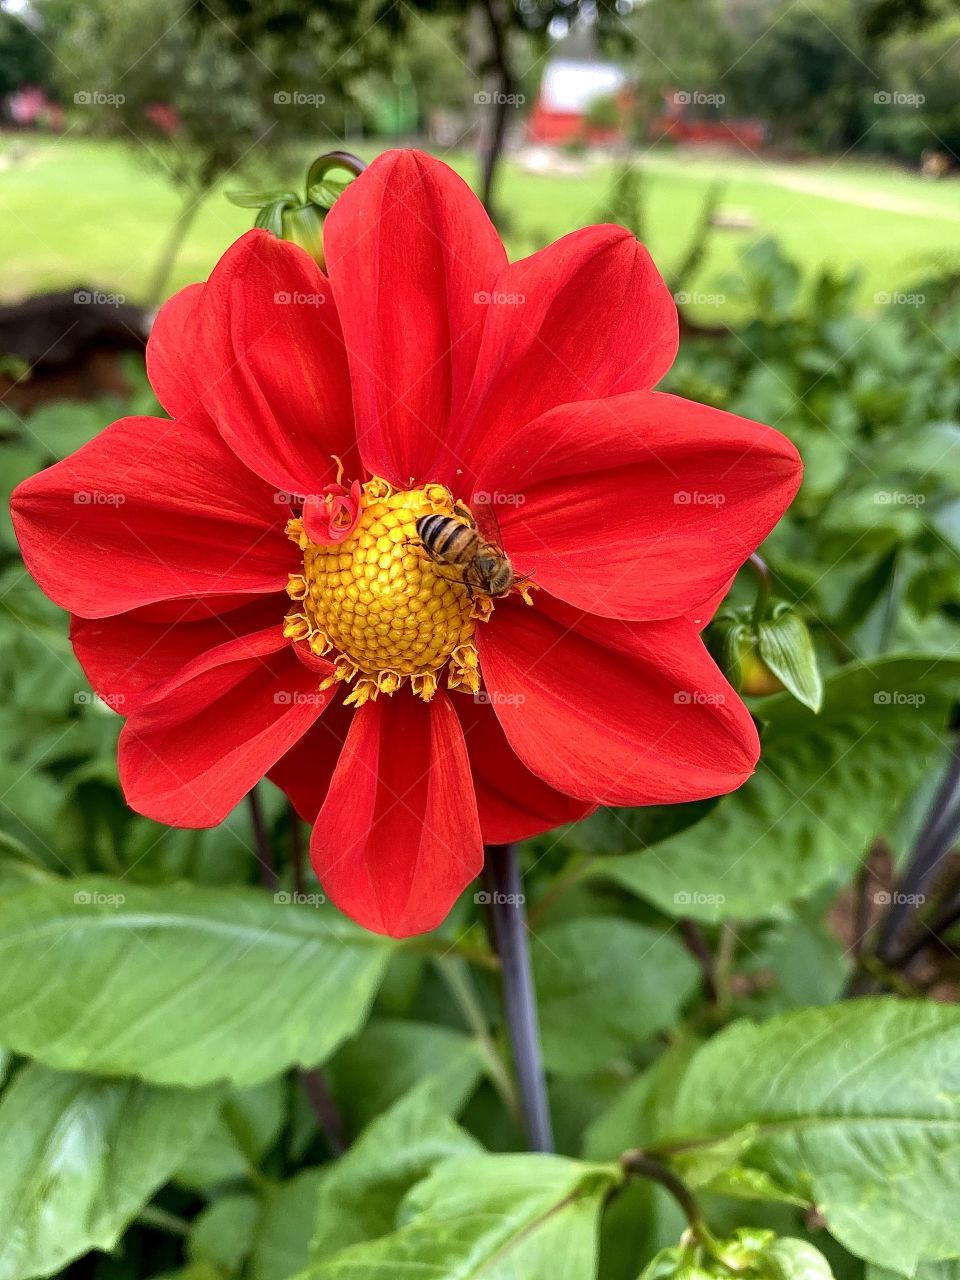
(249, 587)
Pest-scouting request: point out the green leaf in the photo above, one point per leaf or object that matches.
(604, 986)
(81, 1158)
(499, 1217)
(825, 785)
(281, 1242)
(247, 1126)
(785, 645)
(390, 1057)
(359, 1198)
(856, 1106)
(179, 985)
(223, 1234)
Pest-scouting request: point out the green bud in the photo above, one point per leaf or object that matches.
(299, 218)
(304, 226)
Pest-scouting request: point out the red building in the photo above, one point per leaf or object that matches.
(565, 109)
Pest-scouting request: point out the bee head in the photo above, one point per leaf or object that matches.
(497, 573)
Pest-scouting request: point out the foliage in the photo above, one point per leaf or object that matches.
(168, 1022)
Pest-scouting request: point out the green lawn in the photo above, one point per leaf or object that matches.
(75, 210)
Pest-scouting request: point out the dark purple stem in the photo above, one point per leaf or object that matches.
(508, 918)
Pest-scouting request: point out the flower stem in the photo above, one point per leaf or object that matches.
(325, 1108)
(507, 916)
(639, 1165)
(268, 870)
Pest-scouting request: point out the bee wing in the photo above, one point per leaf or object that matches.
(488, 523)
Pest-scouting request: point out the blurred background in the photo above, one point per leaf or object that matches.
(793, 165)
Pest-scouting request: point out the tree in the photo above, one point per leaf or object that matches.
(193, 100)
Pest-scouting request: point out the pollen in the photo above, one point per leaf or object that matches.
(379, 609)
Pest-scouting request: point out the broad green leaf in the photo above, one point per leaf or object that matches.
(855, 1105)
(495, 1217)
(604, 986)
(389, 1057)
(636, 1117)
(179, 985)
(81, 1158)
(248, 1124)
(223, 1234)
(359, 1198)
(281, 1238)
(796, 822)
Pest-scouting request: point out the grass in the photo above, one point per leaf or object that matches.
(83, 211)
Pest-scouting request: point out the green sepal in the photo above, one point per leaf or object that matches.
(785, 645)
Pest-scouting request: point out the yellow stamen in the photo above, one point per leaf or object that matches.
(383, 610)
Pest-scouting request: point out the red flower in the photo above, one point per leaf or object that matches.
(437, 374)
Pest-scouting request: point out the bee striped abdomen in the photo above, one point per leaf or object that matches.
(447, 539)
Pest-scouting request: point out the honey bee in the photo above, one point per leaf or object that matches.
(457, 541)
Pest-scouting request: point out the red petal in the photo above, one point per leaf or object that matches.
(259, 347)
(304, 773)
(126, 656)
(171, 353)
(193, 752)
(615, 712)
(513, 803)
(398, 836)
(408, 248)
(587, 317)
(149, 510)
(640, 506)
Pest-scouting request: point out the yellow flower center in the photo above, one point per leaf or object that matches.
(380, 608)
